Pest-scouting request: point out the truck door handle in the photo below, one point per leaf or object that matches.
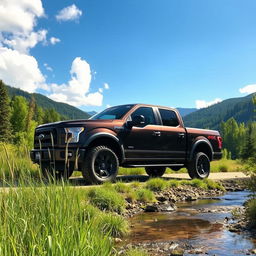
(156, 133)
(181, 135)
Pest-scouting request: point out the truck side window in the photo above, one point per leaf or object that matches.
(147, 113)
(169, 117)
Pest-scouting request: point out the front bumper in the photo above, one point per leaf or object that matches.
(57, 154)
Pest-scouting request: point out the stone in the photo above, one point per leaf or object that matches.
(177, 252)
(161, 199)
(151, 208)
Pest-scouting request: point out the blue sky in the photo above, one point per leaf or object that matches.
(166, 52)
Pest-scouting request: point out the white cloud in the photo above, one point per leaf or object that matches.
(100, 90)
(106, 86)
(205, 104)
(251, 88)
(54, 40)
(24, 42)
(47, 67)
(20, 70)
(19, 15)
(69, 13)
(76, 91)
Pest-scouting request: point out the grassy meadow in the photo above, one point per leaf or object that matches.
(39, 218)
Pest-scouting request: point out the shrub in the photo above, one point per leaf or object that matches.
(106, 199)
(157, 184)
(144, 195)
(113, 225)
(251, 212)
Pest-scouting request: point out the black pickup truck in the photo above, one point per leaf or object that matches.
(132, 135)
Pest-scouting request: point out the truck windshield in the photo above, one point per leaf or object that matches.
(112, 113)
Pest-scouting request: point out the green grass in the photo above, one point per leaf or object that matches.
(113, 225)
(251, 212)
(144, 195)
(106, 199)
(50, 220)
(136, 252)
(122, 188)
(157, 184)
(15, 164)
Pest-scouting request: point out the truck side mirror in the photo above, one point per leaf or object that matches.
(138, 120)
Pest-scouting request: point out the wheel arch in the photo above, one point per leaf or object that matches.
(202, 145)
(108, 140)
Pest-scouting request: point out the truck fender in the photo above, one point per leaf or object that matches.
(201, 142)
(106, 135)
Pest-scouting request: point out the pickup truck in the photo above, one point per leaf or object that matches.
(132, 135)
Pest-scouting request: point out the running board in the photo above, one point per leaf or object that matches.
(149, 165)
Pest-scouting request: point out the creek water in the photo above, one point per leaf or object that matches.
(198, 223)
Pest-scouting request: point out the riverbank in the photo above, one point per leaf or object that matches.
(169, 204)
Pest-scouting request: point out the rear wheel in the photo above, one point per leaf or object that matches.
(199, 166)
(57, 171)
(155, 171)
(101, 165)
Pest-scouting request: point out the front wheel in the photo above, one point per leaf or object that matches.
(199, 166)
(101, 165)
(155, 171)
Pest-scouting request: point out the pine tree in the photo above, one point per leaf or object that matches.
(31, 112)
(5, 126)
(249, 147)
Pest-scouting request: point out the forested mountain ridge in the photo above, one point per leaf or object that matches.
(63, 109)
(241, 109)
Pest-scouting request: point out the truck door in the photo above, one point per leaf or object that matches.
(173, 136)
(142, 142)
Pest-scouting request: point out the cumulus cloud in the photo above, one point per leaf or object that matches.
(205, 104)
(76, 90)
(69, 13)
(251, 88)
(24, 42)
(20, 70)
(54, 40)
(19, 15)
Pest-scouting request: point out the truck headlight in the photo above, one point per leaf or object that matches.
(72, 134)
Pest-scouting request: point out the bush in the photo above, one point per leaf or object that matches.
(157, 184)
(251, 212)
(106, 199)
(144, 195)
(113, 225)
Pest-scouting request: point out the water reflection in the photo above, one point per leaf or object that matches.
(201, 229)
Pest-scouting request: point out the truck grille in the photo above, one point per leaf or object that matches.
(47, 136)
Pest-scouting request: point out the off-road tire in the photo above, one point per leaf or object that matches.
(155, 171)
(100, 160)
(57, 172)
(199, 166)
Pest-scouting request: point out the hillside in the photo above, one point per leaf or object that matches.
(186, 111)
(62, 108)
(239, 108)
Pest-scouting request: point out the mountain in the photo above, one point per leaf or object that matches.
(62, 108)
(186, 111)
(211, 117)
(91, 113)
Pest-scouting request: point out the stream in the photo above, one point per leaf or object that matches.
(199, 224)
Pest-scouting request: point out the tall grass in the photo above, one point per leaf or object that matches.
(49, 220)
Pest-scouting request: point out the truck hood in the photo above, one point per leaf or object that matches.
(79, 122)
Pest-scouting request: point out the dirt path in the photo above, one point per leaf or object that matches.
(213, 176)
